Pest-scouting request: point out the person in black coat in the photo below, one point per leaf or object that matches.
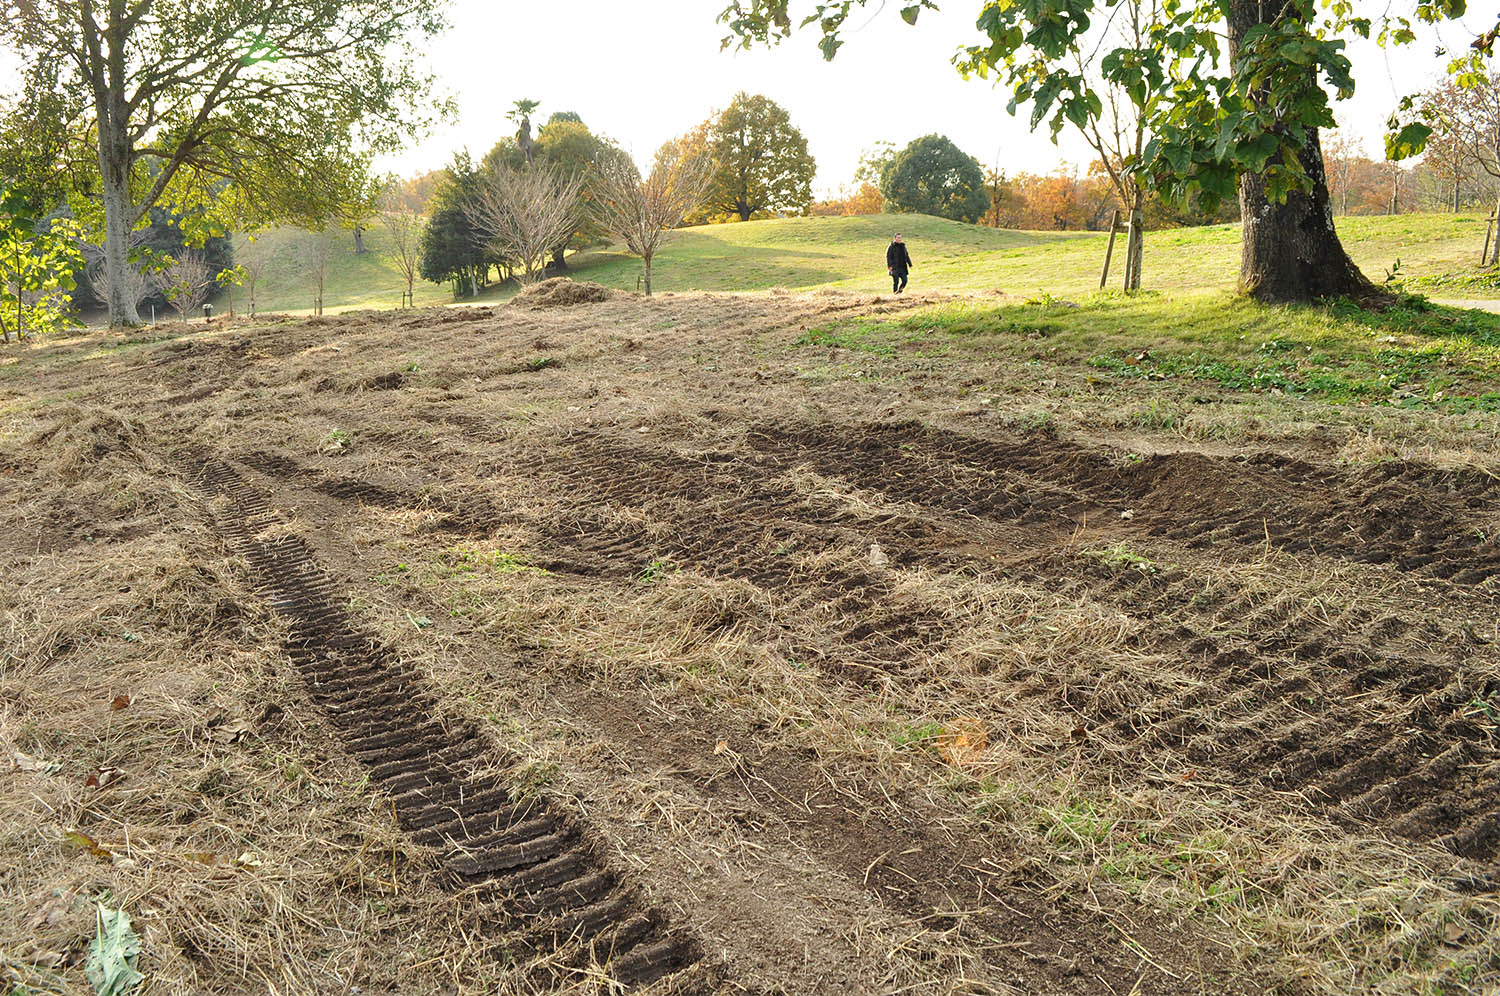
(898, 264)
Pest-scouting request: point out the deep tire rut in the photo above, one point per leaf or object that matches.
(1366, 717)
(556, 895)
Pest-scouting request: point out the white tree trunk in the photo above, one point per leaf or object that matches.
(119, 219)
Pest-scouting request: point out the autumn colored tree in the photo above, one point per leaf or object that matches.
(642, 211)
(761, 162)
(564, 144)
(867, 199)
(1450, 110)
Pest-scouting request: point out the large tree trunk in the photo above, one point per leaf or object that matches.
(1290, 251)
(119, 219)
(114, 169)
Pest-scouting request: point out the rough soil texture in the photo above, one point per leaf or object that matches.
(641, 647)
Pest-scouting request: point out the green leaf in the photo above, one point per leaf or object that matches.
(1408, 142)
(112, 954)
(909, 14)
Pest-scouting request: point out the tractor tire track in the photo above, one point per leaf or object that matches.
(553, 890)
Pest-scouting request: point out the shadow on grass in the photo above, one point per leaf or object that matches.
(1417, 316)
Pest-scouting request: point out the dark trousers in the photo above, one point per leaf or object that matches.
(898, 281)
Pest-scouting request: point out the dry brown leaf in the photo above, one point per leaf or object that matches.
(120, 702)
(104, 777)
(963, 741)
(25, 762)
(78, 840)
(234, 732)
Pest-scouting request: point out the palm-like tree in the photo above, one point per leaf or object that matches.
(521, 113)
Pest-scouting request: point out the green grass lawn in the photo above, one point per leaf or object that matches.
(798, 253)
(1436, 251)
(1437, 254)
(1414, 355)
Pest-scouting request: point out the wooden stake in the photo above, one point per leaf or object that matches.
(1484, 257)
(1114, 229)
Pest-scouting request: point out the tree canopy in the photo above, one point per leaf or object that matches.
(220, 108)
(761, 162)
(1232, 92)
(1213, 114)
(567, 145)
(934, 176)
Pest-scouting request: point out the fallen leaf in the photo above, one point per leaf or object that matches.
(25, 762)
(111, 963)
(230, 733)
(722, 747)
(120, 702)
(78, 840)
(104, 777)
(51, 912)
(963, 741)
(1455, 932)
(1128, 514)
(44, 958)
(877, 556)
(247, 860)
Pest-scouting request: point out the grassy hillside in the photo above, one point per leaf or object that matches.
(369, 280)
(1436, 254)
(849, 253)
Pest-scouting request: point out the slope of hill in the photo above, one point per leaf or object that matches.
(799, 253)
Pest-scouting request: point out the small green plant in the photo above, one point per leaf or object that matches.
(337, 442)
(917, 736)
(467, 560)
(533, 776)
(1120, 556)
(656, 570)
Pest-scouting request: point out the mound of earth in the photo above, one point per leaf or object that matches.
(560, 292)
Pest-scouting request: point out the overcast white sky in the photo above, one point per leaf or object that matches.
(642, 73)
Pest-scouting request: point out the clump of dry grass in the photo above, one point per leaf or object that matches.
(561, 292)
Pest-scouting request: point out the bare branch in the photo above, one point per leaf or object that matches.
(642, 212)
(525, 215)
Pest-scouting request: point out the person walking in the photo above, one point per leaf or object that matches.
(898, 263)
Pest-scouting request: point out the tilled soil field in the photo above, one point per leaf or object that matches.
(629, 646)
